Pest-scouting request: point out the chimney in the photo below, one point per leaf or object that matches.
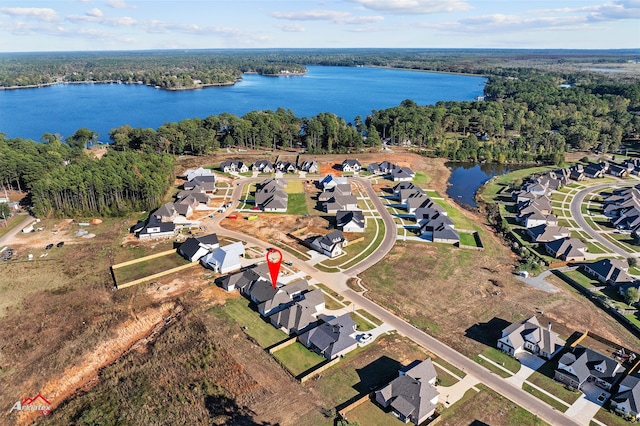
(549, 326)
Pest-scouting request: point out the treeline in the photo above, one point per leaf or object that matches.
(169, 70)
(322, 133)
(66, 181)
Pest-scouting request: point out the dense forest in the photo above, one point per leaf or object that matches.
(64, 180)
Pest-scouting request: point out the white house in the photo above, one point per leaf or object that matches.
(225, 259)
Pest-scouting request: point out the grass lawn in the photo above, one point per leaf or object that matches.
(421, 179)
(368, 316)
(543, 378)
(491, 189)
(298, 359)
(507, 361)
(361, 323)
(455, 370)
(609, 418)
(264, 333)
(12, 222)
(595, 248)
(445, 379)
(358, 251)
(294, 187)
(368, 413)
(582, 279)
(489, 366)
(467, 239)
(432, 194)
(297, 204)
(148, 267)
(544, 397)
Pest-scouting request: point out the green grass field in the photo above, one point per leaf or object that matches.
(297, 359)
(297, 204)
(543, 378)
(294, 187)
(609, 418)
(544, 397)
(467, 239)
(368, 413)
(148, 267)
(361, 323)
(368, 316)
(262, 332)
(499, 357)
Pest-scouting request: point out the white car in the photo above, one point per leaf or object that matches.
(365, 338)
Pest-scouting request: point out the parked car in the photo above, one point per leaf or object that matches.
(602, 397)
(365, 338)
(255, 208)
(49, 247)
(232, 216)
(60, 244)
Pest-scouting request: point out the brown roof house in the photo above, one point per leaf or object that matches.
(412, 395)
(530, 336)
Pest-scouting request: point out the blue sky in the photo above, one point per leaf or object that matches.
(66, 25)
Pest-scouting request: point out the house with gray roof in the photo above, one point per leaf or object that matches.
(166, 213)
(627, 399)
(384, 168)
(411, 396)
(286, 167)
(569, 249)
(263, 166)
(333, 338)
(438, 227)
(194, 248)
(594, 170)
(330, 181)
(206, 183)
(351, 220)
(283, 297)
(609, 271)
(402, 174)
(405, 186)
(339, 189)
(582, 364)
(239, 281)
(331, 244)
(301, 315)
(547, 233)
(530, 336)
(309, 166)
(261, 291)
(341, 202)
(153, 229)
(270, 196)
(351, 166)
(234, 166)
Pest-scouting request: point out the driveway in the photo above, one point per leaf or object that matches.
(530, 360)
(539, 282)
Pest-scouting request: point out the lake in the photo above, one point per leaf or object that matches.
(467, 178)
(344, 91)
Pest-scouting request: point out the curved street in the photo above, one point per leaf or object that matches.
(576, 214)
(338, 283)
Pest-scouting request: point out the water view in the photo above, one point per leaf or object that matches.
(345, 91)
(467, 178)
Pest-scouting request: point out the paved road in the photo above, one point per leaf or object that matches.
(337, 282)
(576, 213)
(6, 239)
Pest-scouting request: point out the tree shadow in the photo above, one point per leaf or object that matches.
(487, 333)
(222, 408)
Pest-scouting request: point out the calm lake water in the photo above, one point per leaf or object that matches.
(467, 178)
(345, 91)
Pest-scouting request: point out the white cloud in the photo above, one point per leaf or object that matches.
(94, 12)
(334, 16)
(500, 23)
(414, 7)
(44, 14)
(103, 20)
(119, 4)
(292, 28)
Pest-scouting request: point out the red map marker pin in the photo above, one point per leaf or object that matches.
(274, 260)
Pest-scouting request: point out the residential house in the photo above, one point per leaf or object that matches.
(437, 227)
(186, 206)
(535, 218)
(351, 220)
(286, 167)
(609, 271)
(402, 174)
(239, 280)
(331, 244)
(339, 189)
(263, 166)
(190, 174)
(225, 259)
(577, 173)
(283, 297)
(234, 166)
(593, 170)
(271, 196)
(194, 248)
(351, 166)
(153, 229)
(309, 166)
(629, 218)
(405, 186)
(582, 364)
(261, 291)
(547, 233)
(333, 338)
(627, 399)
(341, 202)
(206, 184)
(330, 181)
(412, 395)
(568, 249)
(302, 315)
(530, 336)
(618, 171)
(196, 193)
